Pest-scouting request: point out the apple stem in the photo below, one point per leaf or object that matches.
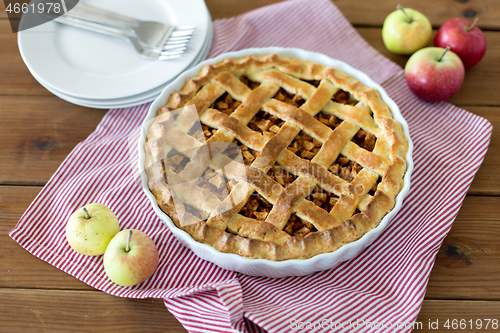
(408, 19)
(445, 50)
(128, 241)
(87, 215)
(472, 25)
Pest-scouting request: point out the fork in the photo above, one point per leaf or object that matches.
(144, 52)
(153, 35)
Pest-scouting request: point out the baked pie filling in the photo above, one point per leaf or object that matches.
(322, 158)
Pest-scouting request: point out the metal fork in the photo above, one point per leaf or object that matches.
(149, 54)
(153, 35)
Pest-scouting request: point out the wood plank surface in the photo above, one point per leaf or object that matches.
(487, 180)
(34, 144)
(18, 267)
(467, 265)
(77, 311)
(85, 311)
(15, 76)
(479, 87)
(373, 13)
(36, 135)
(38, 130)
(438, 312)
(481, 82)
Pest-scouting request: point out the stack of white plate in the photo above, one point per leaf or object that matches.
(98, 71)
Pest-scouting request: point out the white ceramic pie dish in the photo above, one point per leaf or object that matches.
(264, 267)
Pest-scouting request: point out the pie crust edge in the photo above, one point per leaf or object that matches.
(317, 242)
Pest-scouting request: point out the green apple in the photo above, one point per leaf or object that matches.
(131, 258)
(90, 229)
(406, 30)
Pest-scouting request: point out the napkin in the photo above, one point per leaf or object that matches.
(384, 285)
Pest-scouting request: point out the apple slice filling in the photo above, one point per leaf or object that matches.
(303, 145)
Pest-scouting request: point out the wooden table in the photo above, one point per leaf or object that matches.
(38, 130)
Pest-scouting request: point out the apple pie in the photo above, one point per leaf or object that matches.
(321, 159)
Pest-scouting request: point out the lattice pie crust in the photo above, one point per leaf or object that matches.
(323, 159)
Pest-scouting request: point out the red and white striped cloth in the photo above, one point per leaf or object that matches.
(384, 285)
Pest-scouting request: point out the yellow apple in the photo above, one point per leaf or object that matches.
(131, 258)
(90, 229)
(406, 31)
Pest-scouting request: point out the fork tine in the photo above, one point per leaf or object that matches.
(179, 39)
(180, 36)
(182, 30)
(176, 43)
(174, 49)
(182, 33)
(161, 58)
(185, 27)
(166, 53)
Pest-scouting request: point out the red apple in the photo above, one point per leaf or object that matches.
(434, 74)
(464, 38)
(130, 258)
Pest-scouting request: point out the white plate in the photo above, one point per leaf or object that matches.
(131, 100)
(264, 267)
(100, 106)
(88, 65)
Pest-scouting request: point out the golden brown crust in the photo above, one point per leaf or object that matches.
(228, 231)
